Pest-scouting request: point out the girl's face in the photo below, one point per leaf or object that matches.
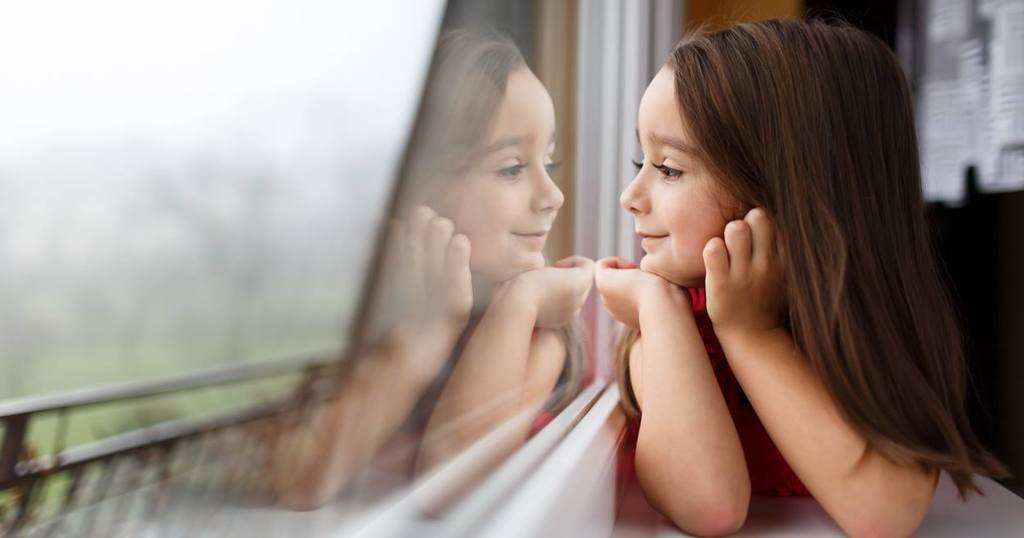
(507, 201)
(672, 198)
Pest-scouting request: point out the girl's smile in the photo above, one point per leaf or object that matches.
(649, 241)
(534, 240)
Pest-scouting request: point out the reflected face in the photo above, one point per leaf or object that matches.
(507, 201)
(674, 203)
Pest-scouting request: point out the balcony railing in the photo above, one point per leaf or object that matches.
(142, 459)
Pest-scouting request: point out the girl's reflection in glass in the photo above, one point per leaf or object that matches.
(480, 337)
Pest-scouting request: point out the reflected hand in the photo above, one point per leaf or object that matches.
(430, 265)
(558, 292)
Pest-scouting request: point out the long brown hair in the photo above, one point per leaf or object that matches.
(813, 121)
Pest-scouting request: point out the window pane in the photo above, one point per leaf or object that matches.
(192, 183)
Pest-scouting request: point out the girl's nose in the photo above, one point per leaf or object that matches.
(634, 199)
(548, 197)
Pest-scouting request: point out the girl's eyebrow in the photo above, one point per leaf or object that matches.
(514, 141)
(669, 141)
(506, 142)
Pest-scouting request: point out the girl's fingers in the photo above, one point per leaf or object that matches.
(586, 274)
(570, 261)
(622, 263)
(716, 262)
(457, 274)
(764, 237)
(458, 253)
(615, 262)
(608, 286)
(604, 275)
(738, 242)
(417, 229)
(438, 236)
(586, 265)
(580, 270)
(574, 261)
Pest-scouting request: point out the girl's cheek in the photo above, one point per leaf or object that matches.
(472, 210)
(681, 255)
(680, 226)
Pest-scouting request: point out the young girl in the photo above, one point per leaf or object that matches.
(790, 331)
(479, 332)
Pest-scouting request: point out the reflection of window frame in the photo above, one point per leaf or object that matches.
(402, 513)
(621, 47)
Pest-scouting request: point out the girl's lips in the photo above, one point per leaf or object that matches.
(647, 241)
(535, 240)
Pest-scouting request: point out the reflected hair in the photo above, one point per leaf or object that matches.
(460, 104)
(813, 121)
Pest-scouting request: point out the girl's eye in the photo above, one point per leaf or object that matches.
(668, 171)
(637, 164)
(552, 168)
(511, 171)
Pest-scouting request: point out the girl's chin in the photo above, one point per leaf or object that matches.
(652, 266)
(528, 261)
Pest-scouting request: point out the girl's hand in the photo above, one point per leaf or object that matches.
(429, 266)
(623, 287)
(557, 292)
(745, 277)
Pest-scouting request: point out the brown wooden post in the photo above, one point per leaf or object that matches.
(14, 437)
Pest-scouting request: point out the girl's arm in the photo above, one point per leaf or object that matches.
(428, 277)
(311, 462)
(502, 373)
(689, 460)
(866, 494)
(505, 371)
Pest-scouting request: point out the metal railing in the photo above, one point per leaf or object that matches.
(23, 472)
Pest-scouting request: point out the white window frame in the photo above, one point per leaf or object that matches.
(621, 47)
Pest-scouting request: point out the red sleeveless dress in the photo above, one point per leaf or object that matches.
(770, 475)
